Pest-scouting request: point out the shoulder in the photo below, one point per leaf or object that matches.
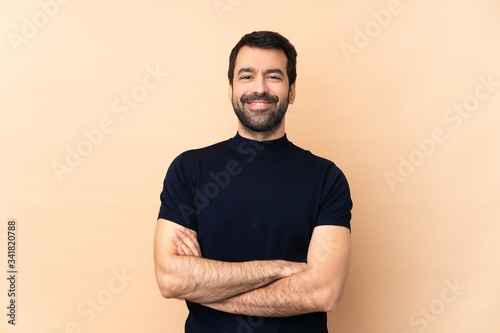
(188, 164)
(204, 153)
(314, 161)
(323, 169)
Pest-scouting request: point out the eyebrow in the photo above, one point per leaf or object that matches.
(252, 70)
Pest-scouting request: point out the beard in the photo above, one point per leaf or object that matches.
(255, 120)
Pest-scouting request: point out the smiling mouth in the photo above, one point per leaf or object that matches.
(259, 105)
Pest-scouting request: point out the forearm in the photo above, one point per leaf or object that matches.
(316, 289)
(293, 295)
(205, 281)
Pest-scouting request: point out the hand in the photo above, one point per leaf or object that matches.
(187, 243)
(295, 268)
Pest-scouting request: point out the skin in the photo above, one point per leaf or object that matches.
(182, 273)
(261, 71)
(270, 288)
(318, 288)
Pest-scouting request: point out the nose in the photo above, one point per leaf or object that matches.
(259, 85)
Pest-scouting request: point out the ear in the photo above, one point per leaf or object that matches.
(291, 94)
(230, 93)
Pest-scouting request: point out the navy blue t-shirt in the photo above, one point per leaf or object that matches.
(251, 200)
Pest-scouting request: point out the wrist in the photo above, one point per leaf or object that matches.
(291, 268)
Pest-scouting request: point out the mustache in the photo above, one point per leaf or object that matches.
(259, 97)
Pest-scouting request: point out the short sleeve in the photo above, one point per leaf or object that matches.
(178, 203)
(336, 203)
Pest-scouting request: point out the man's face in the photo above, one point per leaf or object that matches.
(261, 93)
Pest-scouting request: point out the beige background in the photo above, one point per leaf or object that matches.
(414, 237)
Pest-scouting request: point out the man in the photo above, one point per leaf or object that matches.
(254, 232)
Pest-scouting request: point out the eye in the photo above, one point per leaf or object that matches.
(245, 77)
(274, 77)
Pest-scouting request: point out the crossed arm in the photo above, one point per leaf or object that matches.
(269, 288)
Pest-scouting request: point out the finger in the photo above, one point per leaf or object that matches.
(194, 238)
(180, 245)
(191, 244)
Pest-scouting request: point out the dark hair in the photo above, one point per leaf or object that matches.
(266, 40)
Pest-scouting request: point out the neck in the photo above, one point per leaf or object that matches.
(261, 136)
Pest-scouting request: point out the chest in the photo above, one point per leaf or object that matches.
(259, 211)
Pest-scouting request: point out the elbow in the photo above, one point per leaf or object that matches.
(167, 286)
(167, 292)
(330, 300)
(330, 305)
